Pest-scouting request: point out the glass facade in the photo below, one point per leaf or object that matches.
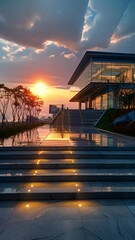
(122, 74)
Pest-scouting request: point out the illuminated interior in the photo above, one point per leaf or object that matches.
(108, 82)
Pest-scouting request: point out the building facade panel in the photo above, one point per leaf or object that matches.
(114, 79)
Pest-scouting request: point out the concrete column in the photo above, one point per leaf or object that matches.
(101, 103)
(86, 104)
(80, 105)
(109, 96)
(116, 99)
(90, 102)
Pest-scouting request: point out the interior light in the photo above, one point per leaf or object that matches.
(80, 205)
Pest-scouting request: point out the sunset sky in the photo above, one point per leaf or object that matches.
(44, 40)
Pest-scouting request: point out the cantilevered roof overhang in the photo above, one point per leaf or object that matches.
(95, 89)
(100, 56)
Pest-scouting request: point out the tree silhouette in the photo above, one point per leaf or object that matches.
(24, 105)
(5, 94)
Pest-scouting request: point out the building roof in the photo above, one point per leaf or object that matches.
(100, 56)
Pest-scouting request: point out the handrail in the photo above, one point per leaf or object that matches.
(55, 117)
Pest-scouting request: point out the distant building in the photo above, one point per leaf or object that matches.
(105, 80)
(53, 109)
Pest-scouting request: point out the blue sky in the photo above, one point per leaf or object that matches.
(47, 38)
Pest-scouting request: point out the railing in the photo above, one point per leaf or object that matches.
(56, 116)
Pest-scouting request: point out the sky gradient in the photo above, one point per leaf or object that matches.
(44, 40)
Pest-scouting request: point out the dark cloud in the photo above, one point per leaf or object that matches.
(32, 22)
(77, 24)
(73, 24)
(108, 16)
(127, 23)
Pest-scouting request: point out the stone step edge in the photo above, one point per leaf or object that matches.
(67, 148)
(68, 156)
(67, 178)
(5, 166)
(66, 196)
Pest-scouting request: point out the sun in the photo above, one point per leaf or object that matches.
(39, 89)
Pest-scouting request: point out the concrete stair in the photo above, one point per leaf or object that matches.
(73, 117)
(57, 173)
(90, 117)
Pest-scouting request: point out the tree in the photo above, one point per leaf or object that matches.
(23, 103)
(5, 94)
(126, 98)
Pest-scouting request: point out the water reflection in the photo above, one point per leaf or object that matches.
(77, 136)
(88, 136)
(28, 138)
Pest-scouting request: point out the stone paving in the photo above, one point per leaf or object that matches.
(79, 220)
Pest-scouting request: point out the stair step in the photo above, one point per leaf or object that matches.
(69, 190)
(107, 171)
(66, 163)
(67, 175)
(68, 154)
(64, 148)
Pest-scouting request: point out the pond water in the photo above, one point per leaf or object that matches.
(77, 136)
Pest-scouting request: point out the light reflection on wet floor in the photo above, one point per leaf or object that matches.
(77, 136)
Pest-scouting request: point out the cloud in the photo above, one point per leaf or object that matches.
(6, 49)
(77, 25)
(31, 23)
(10, 51)
(52, 56)
(106, 19)
(38, 51)
(126, 26)
(127, 45)
(69, 55)
(41, 38)
(55, 70)
(61, 87)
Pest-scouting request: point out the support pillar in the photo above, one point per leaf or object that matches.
(116, 99)
(86, 104)
(80, 105)
(109, 97)
(108, 100)
(90, 102)
(101, 102)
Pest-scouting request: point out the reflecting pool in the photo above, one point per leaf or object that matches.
(77, 136)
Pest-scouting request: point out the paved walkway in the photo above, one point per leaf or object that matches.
(74, 220)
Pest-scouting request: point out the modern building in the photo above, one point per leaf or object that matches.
(104, 80)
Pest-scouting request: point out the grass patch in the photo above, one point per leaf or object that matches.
(106, 120)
